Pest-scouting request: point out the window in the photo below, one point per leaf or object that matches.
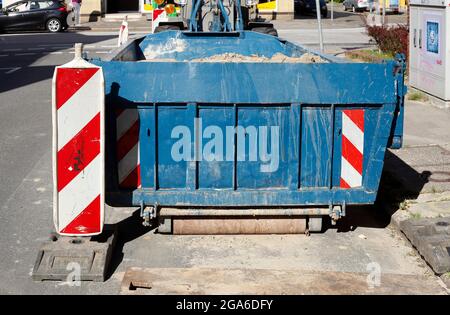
(39, 5)
(21, 7)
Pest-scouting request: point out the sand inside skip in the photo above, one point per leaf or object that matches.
(233, 57)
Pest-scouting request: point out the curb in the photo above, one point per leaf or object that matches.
(431, 99)
(429, 249)
(446, 280)
(107, 29)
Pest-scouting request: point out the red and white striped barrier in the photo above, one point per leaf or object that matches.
(352, 148)
(78, 147)
(127, 126)
(158, 15)
(123, 32)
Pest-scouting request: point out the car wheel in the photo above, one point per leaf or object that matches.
(266, 30)
(54, 25)
(163, 28)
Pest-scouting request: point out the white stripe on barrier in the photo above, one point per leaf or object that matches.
(78, 110)
(349, 174)
(80, 192)
(125, 120)
(129, 162)
(352, 132)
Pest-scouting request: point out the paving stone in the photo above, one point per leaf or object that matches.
(400, 216)
(431, 209)
(431, 237)
(433, 197)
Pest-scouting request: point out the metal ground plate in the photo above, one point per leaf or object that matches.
(62, 257)
(183, 281)
(431, 237)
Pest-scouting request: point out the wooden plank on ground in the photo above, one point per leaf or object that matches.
(185, 281)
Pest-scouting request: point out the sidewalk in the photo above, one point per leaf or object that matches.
(341, 20)
(415, 187)
(111, 26)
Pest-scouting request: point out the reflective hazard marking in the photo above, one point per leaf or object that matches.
(78, 148)
(157, 16)
(127, 125)
(352, 148)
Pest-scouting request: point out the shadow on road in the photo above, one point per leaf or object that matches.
(409, 186)
(28, 74)
(25, 77)
(128, 229)
(391, 194)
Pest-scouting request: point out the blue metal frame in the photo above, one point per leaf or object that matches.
(225, 27)
(239, 21)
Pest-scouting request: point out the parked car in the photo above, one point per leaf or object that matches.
(306, 6)
(356, 5)
(29, 15)
(392, 6)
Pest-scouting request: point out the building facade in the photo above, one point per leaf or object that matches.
(276, 10)
(272, 9)
(91, 10)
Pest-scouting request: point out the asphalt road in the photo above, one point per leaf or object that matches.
(27, 62)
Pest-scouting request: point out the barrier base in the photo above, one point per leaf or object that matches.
(76, 258)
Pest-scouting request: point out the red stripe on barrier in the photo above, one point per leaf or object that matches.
(344, 184)
(87, 222)
(133, 180)
(156, 13)
(69, 81)
(357, 116)
(128, 141)
(78, 152)
(352, 154)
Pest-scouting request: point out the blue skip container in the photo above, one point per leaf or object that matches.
(245, 121)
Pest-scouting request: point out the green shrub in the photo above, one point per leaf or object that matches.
(392, 39)
(416, 96)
